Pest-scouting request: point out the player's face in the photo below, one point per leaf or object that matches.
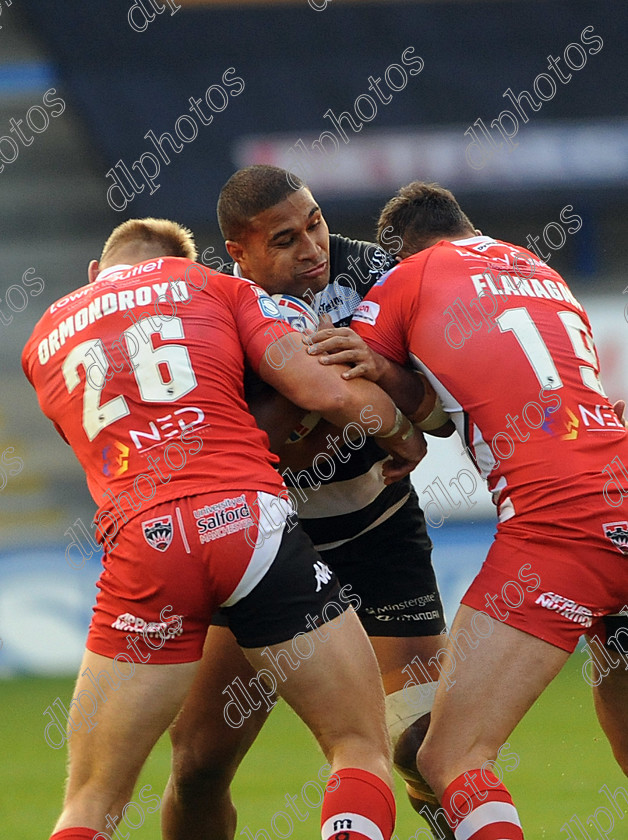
(286, 249)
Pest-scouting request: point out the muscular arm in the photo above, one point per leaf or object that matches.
(317, 388)
(341, 345)
(404, 386)
(410, 391)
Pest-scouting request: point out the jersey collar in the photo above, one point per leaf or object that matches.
(107, 272)
(473, 240)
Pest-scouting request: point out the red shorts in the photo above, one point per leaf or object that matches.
(172, 566)
(556, 581)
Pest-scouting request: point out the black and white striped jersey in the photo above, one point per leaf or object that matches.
(340, 503)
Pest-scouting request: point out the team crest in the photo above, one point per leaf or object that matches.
(158, 532)
(617, 532)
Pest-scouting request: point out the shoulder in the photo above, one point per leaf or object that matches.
(400, 287)
(226, 282)
(363, 262)
(355, 266)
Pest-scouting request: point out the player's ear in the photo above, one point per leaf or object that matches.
(234, 249)
(93, 270)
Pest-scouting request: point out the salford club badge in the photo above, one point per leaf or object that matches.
(617, 532)
(158, 532)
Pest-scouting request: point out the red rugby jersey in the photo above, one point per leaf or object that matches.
(141, 372)
(509, 350)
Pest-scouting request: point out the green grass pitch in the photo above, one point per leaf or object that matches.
(563, 762)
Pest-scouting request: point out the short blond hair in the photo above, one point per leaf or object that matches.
(174, 239)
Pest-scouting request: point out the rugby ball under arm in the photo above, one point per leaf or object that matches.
(297, 312)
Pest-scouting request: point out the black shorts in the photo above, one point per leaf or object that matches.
(298, 593)
(616, 633)
(389, 569)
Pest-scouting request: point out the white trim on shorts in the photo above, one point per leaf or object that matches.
(184, 536)
(266, 548)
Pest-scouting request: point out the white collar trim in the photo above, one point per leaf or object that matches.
(107, 272)
(473, 240)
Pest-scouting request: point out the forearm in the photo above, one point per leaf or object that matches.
(402, 384)
(357, 402)
(363, 404)
(414, 396)
(344, 346)
(303, 381)
(430, 416)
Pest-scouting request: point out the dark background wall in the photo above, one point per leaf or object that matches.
(297, 63)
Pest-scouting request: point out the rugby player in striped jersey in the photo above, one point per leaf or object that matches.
(372, 534)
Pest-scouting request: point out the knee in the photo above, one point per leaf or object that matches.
(198, 765)
(620, 752)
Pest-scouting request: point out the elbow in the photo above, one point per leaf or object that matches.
(336, 400)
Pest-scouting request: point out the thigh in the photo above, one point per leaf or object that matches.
(611, 706)
(117, 714)
(404, 659)
(606, 670)
(337, 692)
(216, 724)
(298, 630)
(488, 691)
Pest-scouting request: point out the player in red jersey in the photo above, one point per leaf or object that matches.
(509, 352)
(141, 371)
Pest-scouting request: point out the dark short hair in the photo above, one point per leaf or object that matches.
(250, 191)
(418, 213)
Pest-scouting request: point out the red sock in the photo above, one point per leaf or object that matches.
(358, 806)
(77, 833)
(480, 808)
